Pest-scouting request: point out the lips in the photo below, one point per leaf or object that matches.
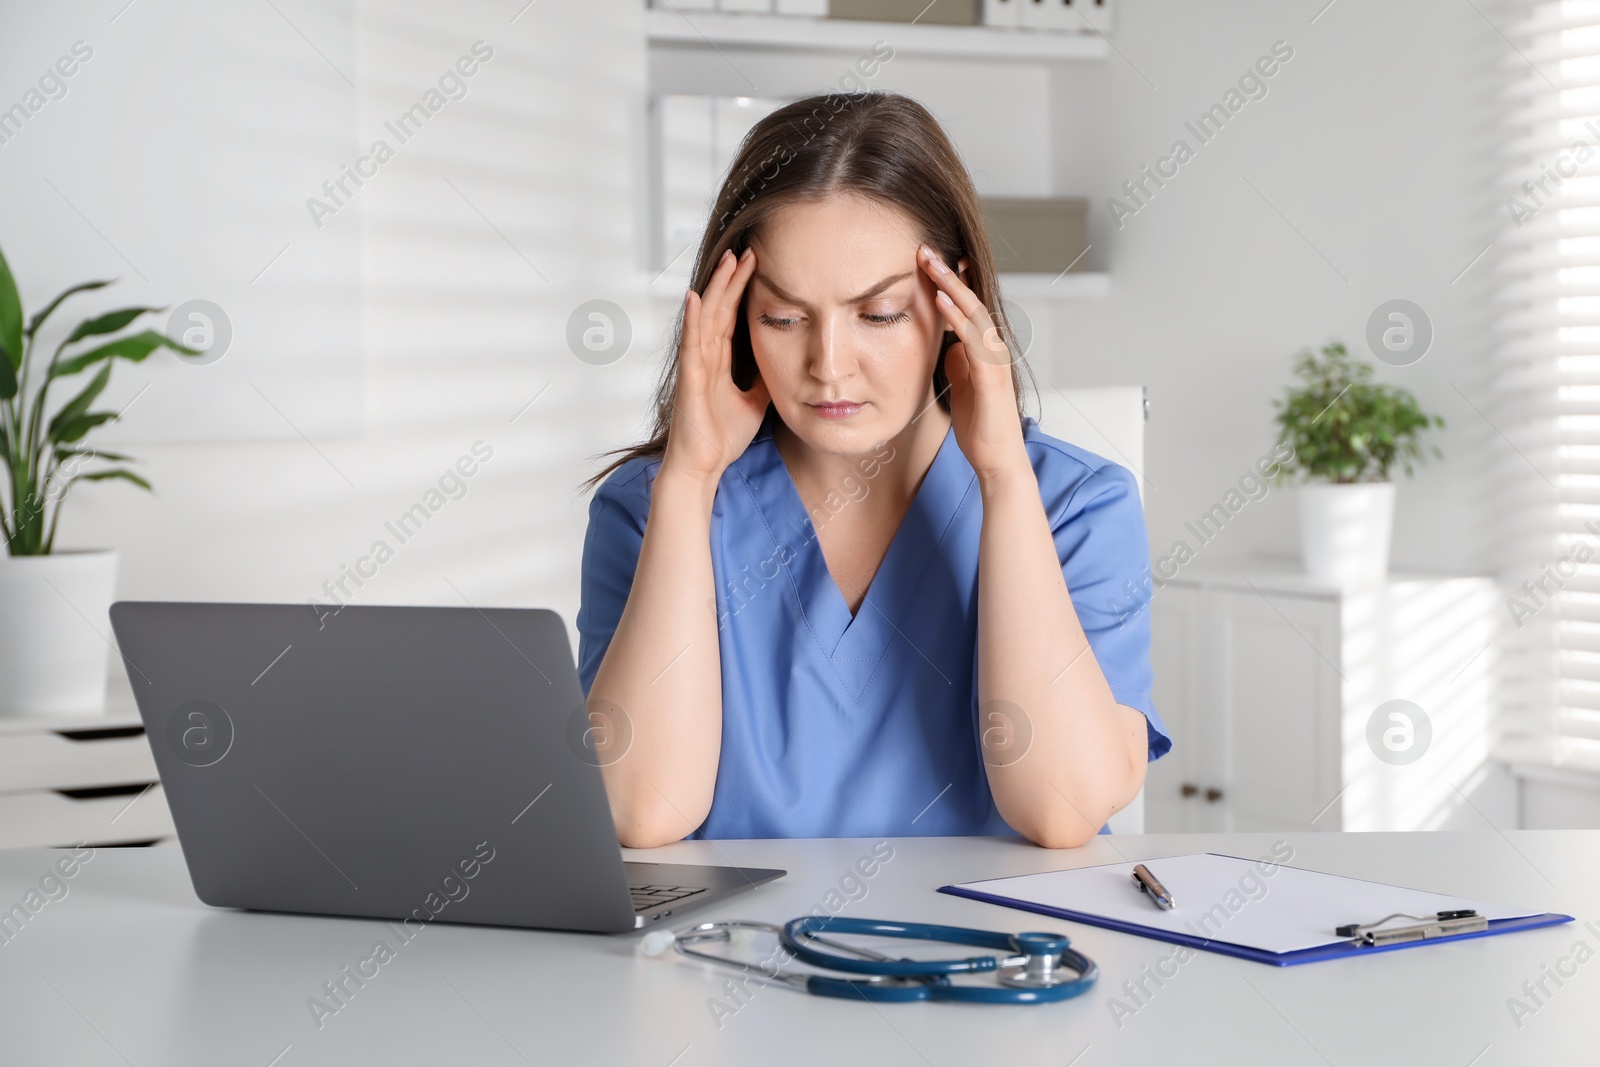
(836, 409)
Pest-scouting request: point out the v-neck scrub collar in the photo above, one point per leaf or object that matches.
(839, 635)
(858, 726)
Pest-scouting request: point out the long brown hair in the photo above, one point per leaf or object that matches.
(874, 144)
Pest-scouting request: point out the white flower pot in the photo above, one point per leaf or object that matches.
(1345, 530)
(54, 628)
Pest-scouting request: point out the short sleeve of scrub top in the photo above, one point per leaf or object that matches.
(868, 725)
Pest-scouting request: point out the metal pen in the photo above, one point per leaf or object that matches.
(1152, 888)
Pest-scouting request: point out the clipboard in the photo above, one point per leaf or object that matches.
(1292, 922)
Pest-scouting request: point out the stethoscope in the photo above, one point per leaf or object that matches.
(1037, 968)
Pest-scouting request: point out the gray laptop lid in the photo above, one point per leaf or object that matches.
(381, 762)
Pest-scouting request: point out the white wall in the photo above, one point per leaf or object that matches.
(459, 329)
(465, 296)
(175, 157)
(1367, 173)
(1367, 143)
(1371, 143)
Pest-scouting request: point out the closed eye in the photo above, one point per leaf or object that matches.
(877, 320)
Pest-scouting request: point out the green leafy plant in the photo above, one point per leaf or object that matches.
(42, 452)
(1344, 427)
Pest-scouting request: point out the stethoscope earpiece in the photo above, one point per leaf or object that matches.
(657, 942)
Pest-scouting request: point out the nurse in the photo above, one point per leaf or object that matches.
(846, 588)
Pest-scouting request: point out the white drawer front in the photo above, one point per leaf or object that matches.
(47, 760)
(50, 819)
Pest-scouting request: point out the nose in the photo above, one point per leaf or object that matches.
(831, 359)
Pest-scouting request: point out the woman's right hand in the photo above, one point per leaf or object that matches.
(713, 420)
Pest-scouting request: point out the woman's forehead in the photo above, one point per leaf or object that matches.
(842, 250)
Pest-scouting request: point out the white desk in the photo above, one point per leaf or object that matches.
(129, 968)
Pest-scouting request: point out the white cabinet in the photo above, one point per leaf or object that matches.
(1280, 694)
(66, 780)
(1279, 743)
(1179, 656)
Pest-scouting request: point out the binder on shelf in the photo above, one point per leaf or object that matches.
(943, 13)
(1038, 15)
(1100, 14)
(1037, 234)
(1002, 13)
(1256, 909)
(1072, 16)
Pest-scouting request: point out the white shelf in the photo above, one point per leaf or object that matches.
(1074, 285)
(794, 32)
(1287, 576)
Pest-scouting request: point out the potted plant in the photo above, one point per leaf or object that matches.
(1348, 433)
(54, 603)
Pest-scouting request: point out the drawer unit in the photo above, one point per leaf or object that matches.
(74, 759)
(79, 779)
(99, 818)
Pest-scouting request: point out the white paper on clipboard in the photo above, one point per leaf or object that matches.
(1252, 903)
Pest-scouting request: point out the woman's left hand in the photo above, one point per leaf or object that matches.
(983, 403)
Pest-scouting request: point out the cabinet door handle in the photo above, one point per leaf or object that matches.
(1188, 789)
(1213, 795)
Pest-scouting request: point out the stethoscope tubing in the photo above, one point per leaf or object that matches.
(944, 989)
(881, 978)
(799, 933)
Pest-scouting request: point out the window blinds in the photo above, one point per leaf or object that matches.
(1546, 378)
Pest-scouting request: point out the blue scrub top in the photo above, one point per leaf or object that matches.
(867, 726)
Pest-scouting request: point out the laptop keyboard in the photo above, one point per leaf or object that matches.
(648, 896)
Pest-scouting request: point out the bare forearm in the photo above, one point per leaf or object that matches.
(663, 671)
(1035, 667)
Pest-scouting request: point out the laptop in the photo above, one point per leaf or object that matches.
(408, 763)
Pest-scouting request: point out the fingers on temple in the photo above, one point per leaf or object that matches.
(979, 331)
(728, 310)
(716, 294)
(713, 294)
(967, 315)
(958, 319)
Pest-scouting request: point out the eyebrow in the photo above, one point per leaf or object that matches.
(870, 292)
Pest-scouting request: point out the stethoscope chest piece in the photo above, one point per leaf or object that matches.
(1044, 960)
